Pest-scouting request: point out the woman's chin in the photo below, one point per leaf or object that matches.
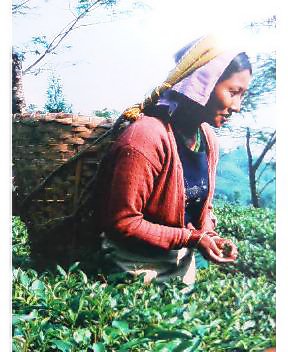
(215, 124)
(219, 122)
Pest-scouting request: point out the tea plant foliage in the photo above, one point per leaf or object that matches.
(230, 308)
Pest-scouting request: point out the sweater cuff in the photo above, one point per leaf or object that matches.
(191, 237)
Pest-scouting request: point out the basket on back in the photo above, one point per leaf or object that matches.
(55, 161)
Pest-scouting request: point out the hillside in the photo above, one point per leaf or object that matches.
(232, 183)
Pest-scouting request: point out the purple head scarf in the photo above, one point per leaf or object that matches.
(199, 84)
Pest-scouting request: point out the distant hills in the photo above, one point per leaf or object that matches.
(232, 182)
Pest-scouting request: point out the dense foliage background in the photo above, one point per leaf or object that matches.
(230, 308)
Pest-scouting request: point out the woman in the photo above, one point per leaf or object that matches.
(157, 182)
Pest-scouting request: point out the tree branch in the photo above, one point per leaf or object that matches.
(248, 148)
(17, 7)
(56, 41)
(264, 168)
(267, 147)
(266, 184)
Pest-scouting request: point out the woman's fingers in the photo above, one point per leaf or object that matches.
(190, 226)
(214, 247)
(234, 250)
(209, 245)
(219, 259)
(227, 246)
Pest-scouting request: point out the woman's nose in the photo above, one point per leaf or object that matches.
(236, 104)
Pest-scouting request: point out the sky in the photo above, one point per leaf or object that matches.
(115, 63)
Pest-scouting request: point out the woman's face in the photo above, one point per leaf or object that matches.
(226, 98)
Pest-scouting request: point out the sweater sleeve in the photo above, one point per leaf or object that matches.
(132, 183)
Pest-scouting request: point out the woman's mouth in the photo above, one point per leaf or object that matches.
(224, 118)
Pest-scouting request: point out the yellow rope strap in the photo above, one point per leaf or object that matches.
(198, 55)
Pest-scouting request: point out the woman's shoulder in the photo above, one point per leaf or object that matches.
(147, 130)
(150, 124)
(148, 136)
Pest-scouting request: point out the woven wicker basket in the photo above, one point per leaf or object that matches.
(55, 159)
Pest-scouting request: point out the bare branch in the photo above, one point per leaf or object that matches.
(56, 41)
(248, 148)
(267, 184)
(267, 147)
(16, 8)
(267, 164)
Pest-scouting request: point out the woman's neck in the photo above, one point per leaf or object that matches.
(187, 129)
(188, 135)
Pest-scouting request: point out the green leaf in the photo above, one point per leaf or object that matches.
(63, 346)
(82, 335)
(111, 333)
(166, 346)
(61, 271)
(37, 285)
(16, 347)
(98, 347)
(135, 342)
(121, 325)
(248, 325)
(16, 318)
(38, 288)
(84, 277)
(77, 303)
(188, 346)
(163, 334)
(24, 279)
(44, 321)
(73, 267)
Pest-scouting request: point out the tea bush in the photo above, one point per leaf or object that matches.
(228, 309)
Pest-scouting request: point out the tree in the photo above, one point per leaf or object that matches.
(107, 114)
(18, 100)
(259, 144)
(253, 165)
(264, 83)
(56, 101)
(42, 46)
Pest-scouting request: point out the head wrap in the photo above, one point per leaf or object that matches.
(194, 75)
(199, 85)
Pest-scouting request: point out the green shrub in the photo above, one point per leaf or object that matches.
(228, 309)
(253, 231)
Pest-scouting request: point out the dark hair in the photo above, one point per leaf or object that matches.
(239, 63)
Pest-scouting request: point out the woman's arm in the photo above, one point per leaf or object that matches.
(131, 185)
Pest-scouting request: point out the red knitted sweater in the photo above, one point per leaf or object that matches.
(141, 185)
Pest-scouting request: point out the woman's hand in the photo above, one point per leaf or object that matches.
(217, 249)
(214, 247)
(228, 248)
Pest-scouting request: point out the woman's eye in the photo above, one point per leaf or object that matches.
(233, 93)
